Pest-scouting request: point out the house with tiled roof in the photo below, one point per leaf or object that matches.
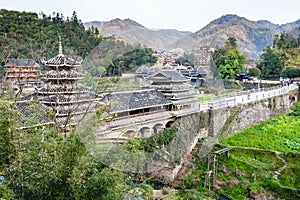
(22, 74)
(173, 85)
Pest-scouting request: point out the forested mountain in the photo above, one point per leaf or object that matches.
(132, 32)
(32, 36)
(29, 35)
(252, 37)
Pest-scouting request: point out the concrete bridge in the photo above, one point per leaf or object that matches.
(146, 125)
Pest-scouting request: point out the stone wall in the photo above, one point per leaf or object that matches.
(223, 121)
(245, 115)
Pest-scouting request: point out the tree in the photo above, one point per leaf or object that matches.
(49, 166)
(219, 56)
(228, 60)
(5, 192)
(7, 131)
(186, 58)
(255, 72)
(230, 44)
(74, 18)
(290, 72)
(282, 42)
(25, 35)
(131, 60)
(271, 63)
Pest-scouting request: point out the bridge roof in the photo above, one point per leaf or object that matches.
(133, 100)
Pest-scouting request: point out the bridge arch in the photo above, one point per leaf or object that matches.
(144, 132)
(158, 127)
(293, 99)
(169, 124)
(128, 133)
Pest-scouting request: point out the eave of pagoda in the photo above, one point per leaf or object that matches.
(60, 60)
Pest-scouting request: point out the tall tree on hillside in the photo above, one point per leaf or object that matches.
(230, 44)
(186, 59)
(271, 63)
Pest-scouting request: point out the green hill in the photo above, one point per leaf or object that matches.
(29, 35)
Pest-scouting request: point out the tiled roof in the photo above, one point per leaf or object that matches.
(153, 70)
(142, 70)
(67, 88)
(61, 60)
(126, 101)
(200, 70)
(170, 75)
(28, 111)
(22, 62)
(33, 96)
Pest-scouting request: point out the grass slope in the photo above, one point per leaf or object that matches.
(281, 133)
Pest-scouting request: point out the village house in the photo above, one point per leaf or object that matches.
(22, 74)
(173, 85)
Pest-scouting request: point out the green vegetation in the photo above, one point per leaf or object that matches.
(228, 60)
(286, 177)
(112, 58)
(290, 72)
(29, 35)
(277, 61)
(158, 140)
(255, 72)
(271, 63)
(131, 60)
(43, 163)
(256, 153)
(151, 144)
(204, 98)
(279, 134)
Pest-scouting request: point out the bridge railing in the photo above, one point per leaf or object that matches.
(246, 97)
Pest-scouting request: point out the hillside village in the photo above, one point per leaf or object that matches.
(146, 124)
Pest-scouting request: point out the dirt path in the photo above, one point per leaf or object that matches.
(278, 172)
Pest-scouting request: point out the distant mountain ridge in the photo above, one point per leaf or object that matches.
(132, 32)
(252, 36)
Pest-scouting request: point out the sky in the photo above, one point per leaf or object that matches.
(184, 15)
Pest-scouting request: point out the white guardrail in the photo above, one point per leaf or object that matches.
(246, 97)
